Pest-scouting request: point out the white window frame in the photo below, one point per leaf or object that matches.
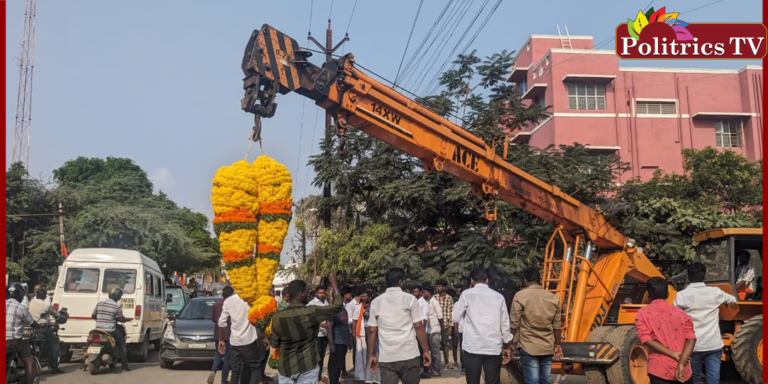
(522, 86)
(643, 112)
(733, 138)
(576, 99)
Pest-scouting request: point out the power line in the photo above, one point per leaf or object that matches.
(420, 54)
(409, 39)
(434, 81)
(331, 11)
(352, 15)
(426, 37)
(455, 47)
(453, 20)
(312, 148)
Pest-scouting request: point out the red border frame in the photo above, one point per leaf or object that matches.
(3, 114)
(5, 84)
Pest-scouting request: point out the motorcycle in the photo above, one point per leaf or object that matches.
(15, 367)
(101, 350)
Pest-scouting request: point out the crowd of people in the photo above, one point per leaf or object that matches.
(407, 333)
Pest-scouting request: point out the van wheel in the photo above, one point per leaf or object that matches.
(140, 352)
(156, 344)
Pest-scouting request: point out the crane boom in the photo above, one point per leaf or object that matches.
(274, 63)
(586, 285)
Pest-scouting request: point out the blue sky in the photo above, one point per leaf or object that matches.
(160, 81)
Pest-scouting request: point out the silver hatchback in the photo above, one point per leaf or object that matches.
(189, 336)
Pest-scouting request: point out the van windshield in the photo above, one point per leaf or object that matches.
(81, 280)
(119, 278)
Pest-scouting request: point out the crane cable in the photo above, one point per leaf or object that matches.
(410, 35)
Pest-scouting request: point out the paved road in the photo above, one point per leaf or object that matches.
(189, 373)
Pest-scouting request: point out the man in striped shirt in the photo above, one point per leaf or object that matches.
(294, 332)
(107, 313)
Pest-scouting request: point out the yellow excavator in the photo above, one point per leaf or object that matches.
(587, 259)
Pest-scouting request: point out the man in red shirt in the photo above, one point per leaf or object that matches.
(668, 334)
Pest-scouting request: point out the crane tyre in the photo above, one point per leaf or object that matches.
(596, 373)
(747, 350)
(632, 365)
(511, 373)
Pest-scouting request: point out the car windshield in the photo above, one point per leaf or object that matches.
(176, 302)
(198, 310)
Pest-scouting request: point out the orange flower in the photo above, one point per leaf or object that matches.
(262, 308)
(234, 256)
(277, 207)
(265, 248)
(240, 214)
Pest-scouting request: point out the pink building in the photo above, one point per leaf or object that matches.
(645, 115)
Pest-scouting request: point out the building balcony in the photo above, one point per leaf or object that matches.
(535, 91)
(518, 74)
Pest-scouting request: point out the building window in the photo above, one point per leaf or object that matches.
(540, 101)
(546, 61)
(541, 71)
(727, 134)
(655, 107)
(528, 47)
(522, 86)
(583, 96)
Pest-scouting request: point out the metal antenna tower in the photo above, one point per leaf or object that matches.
(23, 127)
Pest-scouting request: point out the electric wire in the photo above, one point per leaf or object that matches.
(453, 21)
(426, 37)
(312, 148)
(435, 83)
(410, 35)
(419, 54)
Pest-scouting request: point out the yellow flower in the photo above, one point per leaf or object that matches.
(273, 233)
(240, 175)
(242, 281)
(224, 198)
(265, 274)
(241, 240)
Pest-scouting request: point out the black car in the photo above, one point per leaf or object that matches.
(189, 336)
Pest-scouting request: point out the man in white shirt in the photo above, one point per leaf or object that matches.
(322, 335)
(746, 279)
(484, 318)
(247, 349)
(702, 303)
(353, 307)
(419, 294)
(398, 322)
(435, 329)
(47, 297)
(38, 308)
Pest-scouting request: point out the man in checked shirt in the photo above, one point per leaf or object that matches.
(16, 316)
(446, 303)
(294, 332)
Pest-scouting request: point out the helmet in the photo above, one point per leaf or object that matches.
(16, 291)
(116, 294)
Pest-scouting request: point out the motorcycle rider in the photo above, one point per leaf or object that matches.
(40, 308)
(16, 316)
(107, 313)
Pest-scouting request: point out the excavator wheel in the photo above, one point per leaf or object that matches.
(632, 366)
(596, 373)
(512, 373)
(747, 350)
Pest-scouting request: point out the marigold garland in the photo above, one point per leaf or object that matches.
(252, 206)
(275, 189)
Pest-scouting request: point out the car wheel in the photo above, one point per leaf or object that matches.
(164, 364)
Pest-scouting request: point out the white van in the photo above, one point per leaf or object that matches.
(86, 278)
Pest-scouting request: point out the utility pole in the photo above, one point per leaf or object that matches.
(328, 49)
(64, 252)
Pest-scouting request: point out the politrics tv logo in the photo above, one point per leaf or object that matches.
(661, 35)
(634, 27)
